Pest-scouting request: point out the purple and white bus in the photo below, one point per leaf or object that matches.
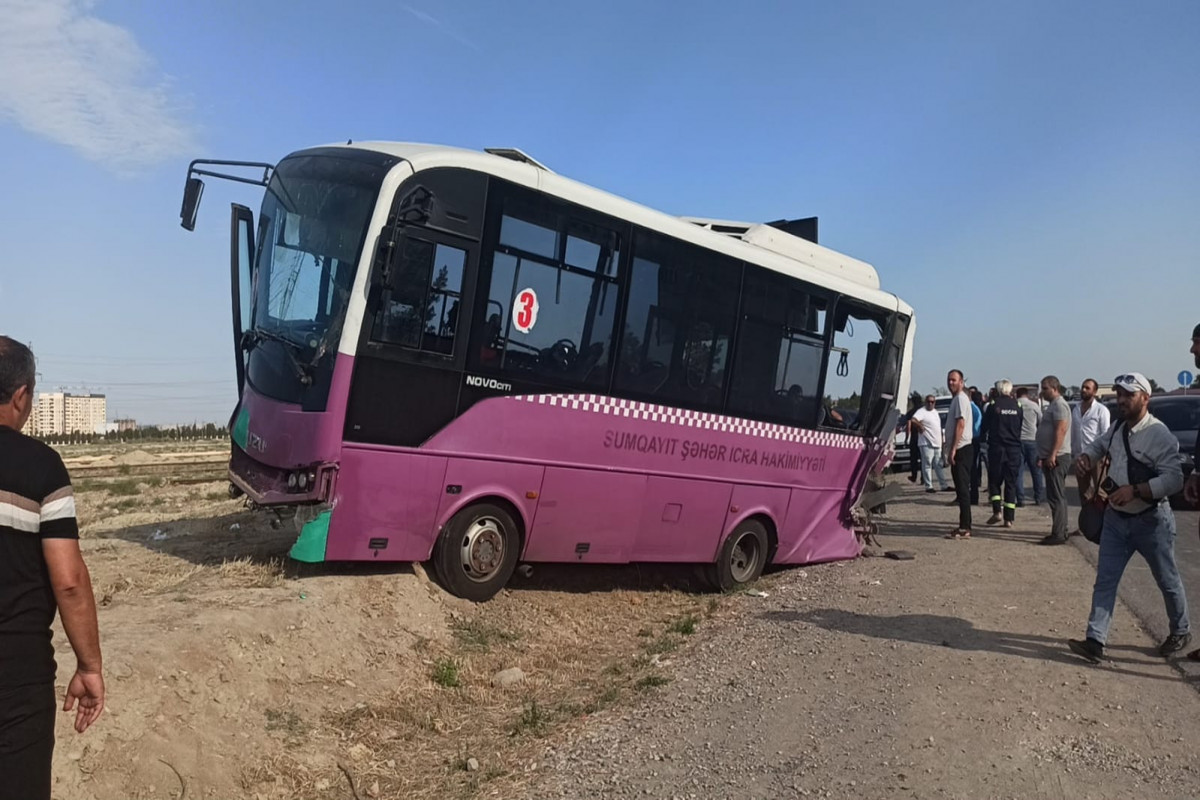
(465, 358)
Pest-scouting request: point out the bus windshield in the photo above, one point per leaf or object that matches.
(310, 234)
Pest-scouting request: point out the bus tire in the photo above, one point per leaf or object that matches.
(742, 557)
(477, 551)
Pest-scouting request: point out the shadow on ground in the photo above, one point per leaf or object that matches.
(244, 536)
(959, 634)
(979, 530)
(590, 578)
(212, 541)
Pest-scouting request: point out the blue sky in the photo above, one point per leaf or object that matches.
(1026, 175)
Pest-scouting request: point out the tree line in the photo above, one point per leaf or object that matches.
(145, 433)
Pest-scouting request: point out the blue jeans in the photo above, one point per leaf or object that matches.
(1029, 463)
(1153, 535)
(932, 456)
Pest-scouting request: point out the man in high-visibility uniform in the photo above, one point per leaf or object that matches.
(1004, 454)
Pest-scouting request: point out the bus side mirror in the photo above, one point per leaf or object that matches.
(191, 203)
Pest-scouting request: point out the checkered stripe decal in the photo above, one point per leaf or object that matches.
(632, 409)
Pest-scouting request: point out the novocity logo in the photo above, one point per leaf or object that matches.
(488, 383)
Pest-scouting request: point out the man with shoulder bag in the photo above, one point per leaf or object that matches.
(1093, 496)
(1143, 470)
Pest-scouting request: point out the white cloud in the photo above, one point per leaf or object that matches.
(429, 19)
(78, 80)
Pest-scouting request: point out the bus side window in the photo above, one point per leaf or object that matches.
(777, 370)
(854, 359)
(679, 321)
(421, 311)
(445, 294)
(553, 296)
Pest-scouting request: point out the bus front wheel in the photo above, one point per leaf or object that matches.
(742, 557)
(476, 552)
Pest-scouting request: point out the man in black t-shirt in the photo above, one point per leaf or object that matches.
(41, 573)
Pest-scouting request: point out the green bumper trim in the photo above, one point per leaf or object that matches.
(241, 428)
(310, 546)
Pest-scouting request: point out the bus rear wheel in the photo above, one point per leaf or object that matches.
(742, 557)
(476, 552)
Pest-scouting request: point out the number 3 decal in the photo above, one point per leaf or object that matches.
(525, 310)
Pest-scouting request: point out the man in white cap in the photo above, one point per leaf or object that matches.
(1143, 471)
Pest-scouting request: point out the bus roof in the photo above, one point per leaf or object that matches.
(805, 260)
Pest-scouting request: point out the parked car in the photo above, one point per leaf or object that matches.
(1181, 414)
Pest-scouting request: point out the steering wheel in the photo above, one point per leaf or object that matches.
(562, 354)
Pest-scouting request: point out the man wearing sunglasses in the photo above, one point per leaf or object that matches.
(1143, 471)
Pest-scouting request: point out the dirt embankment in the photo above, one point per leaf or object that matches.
(241, 674)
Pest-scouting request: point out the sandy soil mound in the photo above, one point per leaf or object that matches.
(136, 458)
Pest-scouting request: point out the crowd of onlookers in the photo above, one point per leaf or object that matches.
(1126, 469)
(1009, 436)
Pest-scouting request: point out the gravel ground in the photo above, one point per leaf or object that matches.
(946, 676)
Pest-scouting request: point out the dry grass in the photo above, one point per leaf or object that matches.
(581, 654)
(173, 575)
(477, 634)
(246, 573)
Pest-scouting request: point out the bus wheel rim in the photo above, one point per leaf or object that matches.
(744, 557)
(482, 550)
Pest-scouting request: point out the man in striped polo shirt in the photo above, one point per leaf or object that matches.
(41, 572)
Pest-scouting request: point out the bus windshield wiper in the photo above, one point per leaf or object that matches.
(252, 338)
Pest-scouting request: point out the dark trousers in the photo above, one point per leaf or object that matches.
(964, 463)
(1003, 463)
(914, 458)
(1056, 494)
(976, 471)
(1029, 462)
(26, 742)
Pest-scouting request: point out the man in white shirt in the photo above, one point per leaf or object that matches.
(930, 443)
(1144, 470)
(1089, 419)
(960, 452)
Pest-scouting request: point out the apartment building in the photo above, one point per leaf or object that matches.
(57, 413)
